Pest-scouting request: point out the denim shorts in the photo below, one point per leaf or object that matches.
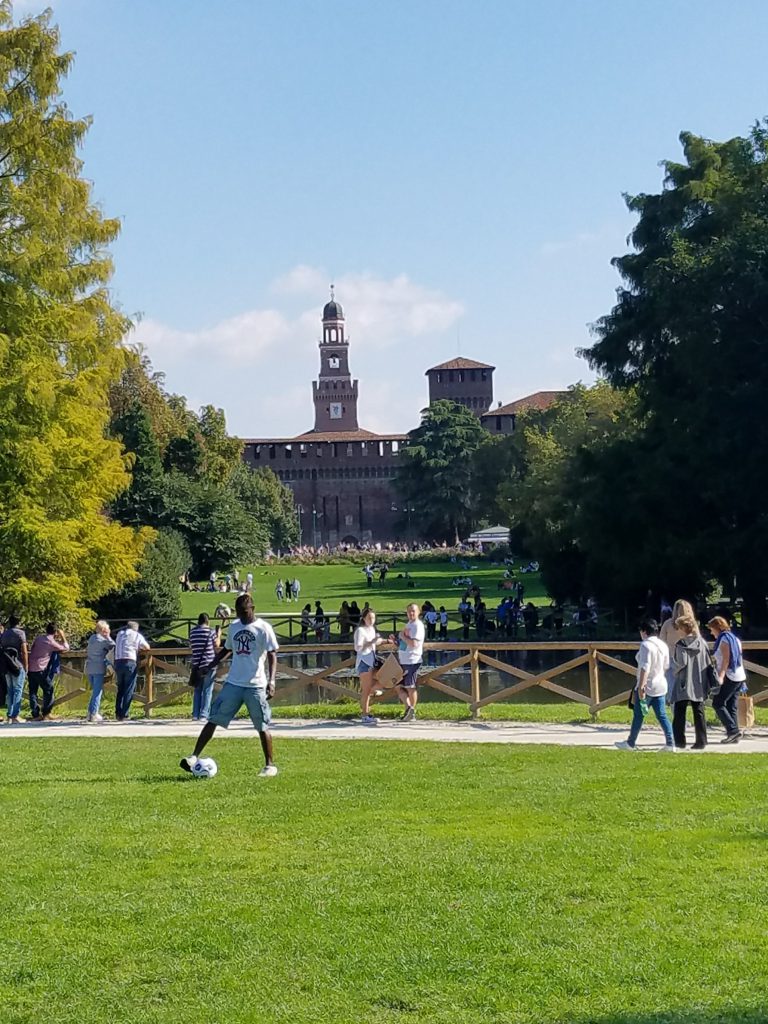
(231, 698)
(365, 663)
(410, 676)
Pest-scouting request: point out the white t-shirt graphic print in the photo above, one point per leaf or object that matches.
(411, 654)
(249, 644)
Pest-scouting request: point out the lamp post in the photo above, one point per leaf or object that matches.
(315, 516)
(408, 509)
(299, 514)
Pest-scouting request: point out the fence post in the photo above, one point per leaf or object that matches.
(594, 683)
(149, 679)
(475, 679)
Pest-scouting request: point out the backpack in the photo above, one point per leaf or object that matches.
(10, 664)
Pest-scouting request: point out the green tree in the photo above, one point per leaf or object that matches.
(156, 593)
(689, 333)
(60, 347)
(436, 472)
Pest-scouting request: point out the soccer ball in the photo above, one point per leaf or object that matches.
(204, 768)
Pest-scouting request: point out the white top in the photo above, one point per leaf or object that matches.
(411, 654)
(128, 643)
(365, 640)
(249, 643)
(653, 656)
(736, 675)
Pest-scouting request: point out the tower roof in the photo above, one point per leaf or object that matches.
(332, 310)
(460, 363)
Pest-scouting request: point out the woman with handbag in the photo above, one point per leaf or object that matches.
(690, 683)
(203, 642)
(731, 675)
(651, 687)
(366, 641)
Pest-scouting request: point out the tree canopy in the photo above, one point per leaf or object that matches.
(60, 347)
(436, 473)
(689, 333)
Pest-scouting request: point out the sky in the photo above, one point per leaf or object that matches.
(455, 168)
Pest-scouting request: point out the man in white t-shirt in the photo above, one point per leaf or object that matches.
(251, 643)
(410, 644)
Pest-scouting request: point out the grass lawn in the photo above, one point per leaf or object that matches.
(381, 882)
(333, 584)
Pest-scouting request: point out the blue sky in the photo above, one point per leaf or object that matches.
(456, 167)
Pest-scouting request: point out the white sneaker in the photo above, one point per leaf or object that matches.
(669, 750)
(624, 745)
(95, 719)
(268, 771)
(378, 693)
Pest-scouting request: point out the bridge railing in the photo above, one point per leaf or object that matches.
(476, 674)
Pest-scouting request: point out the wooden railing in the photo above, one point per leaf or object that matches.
(157, 665)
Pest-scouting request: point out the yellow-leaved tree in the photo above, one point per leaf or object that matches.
(60, 348)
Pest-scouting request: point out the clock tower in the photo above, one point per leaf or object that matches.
(334, 392)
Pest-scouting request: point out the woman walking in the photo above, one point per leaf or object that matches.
(729, 667)
(100, 646)
(651, 687)
(690, 659)
(366, 641)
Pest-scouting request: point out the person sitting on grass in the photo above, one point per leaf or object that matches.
(250, 643)
(410, 641)
(651, 687)
(366, 641)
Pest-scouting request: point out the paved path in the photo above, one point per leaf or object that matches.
(603, 736)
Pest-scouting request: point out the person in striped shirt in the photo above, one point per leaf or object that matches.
(204, 643)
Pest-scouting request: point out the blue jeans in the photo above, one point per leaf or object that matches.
(40, 681)
(724, 704)
(15, 686)
(126, 672)
(97, 688)
(201, 696)
(657, 704)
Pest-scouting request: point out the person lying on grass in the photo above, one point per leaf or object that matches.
(250, 643)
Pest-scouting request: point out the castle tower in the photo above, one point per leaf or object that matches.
(334, 392)
(464, 381)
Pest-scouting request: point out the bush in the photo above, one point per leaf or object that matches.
(156, 593)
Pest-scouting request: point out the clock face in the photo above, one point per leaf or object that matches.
(333, 362)
(335, 410)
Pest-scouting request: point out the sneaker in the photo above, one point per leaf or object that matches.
(669, 749)
(378, 693)
(409, 715)
(96, 719)
(699, 746)
(186, 763)
(734, 737)
(369, 720)
(269, 771)
(624, 745)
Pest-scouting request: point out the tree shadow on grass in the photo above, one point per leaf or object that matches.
(757, 1014)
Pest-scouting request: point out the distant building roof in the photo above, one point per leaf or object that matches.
(460, 363)
(341, 436)
(538, 400)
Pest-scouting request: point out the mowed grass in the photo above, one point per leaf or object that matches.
(332, 584)
(381, 882)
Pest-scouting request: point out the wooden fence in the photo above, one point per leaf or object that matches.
(170, 665)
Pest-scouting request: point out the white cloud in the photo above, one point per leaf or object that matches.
(259, 365)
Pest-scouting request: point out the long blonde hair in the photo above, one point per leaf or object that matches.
(683, 609)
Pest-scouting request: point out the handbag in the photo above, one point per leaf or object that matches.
(745, 711)
(711, 682)
(196, 676)
(377, 663)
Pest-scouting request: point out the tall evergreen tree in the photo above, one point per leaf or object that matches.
(59, 347)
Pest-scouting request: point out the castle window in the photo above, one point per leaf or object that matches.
(461, 376)
(256, 450)
(395, 447)
(450, 376)
(483, 375)
(335, 450)
(318, 450)
(350, 449)
(271, 451)
(498, 424)
(363, 448)
(288, 452)
(439, 377)
(303, 451)
(472, 375)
